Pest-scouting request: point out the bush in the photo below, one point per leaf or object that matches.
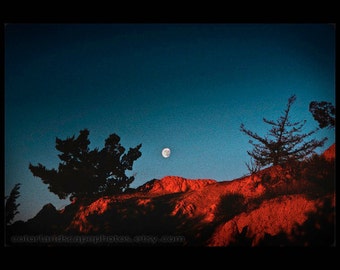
(230, 205)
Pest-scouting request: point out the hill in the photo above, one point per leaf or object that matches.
(292, 205)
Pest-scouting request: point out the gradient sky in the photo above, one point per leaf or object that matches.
(183, 86)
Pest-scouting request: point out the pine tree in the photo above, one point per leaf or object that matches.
(85, 173)
(284, 141)
(11, 206)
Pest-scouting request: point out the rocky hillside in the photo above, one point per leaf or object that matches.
(173, 184)
(278, 206)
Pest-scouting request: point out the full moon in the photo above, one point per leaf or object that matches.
(166, 152)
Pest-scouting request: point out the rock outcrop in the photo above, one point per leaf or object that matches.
(174, 184)
(267, 208)
(329, 154)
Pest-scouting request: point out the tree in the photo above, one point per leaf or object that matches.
(11, 206)
(84, 173)
(284, 142)
(324, 113)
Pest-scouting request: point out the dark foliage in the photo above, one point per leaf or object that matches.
(241, 239)
(283, 142)
(253, 167)
(324, 113)
(320, 173)
(11, 206)
(85, 173)
(314, 177)
(230, 205)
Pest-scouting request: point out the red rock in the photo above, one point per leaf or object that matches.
(174, 184)
(329, 153)
(194, 209)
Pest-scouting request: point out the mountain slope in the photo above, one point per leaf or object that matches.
(278, 217)
(276, 206)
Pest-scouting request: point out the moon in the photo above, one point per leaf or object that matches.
(166, 152)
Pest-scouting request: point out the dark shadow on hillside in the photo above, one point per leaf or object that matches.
(48, 222)
(148, 224)
(318, 230)
(230, 205)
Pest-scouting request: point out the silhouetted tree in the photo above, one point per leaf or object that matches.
(283, 142)
(11, 206)
(252, 166)
(324, 113)
(84, 173)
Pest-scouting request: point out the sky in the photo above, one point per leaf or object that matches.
(187, 87)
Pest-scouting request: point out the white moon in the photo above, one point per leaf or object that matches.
(166, 152)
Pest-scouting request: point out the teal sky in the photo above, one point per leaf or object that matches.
(183, 86)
